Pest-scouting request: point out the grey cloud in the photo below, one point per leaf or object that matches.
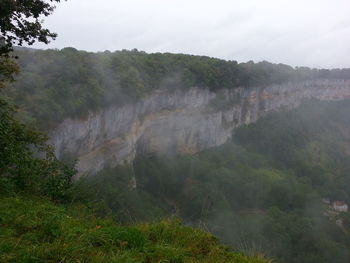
(313, 33)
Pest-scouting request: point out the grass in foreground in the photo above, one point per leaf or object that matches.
(36, 230)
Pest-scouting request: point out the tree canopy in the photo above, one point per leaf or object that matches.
(20, 22)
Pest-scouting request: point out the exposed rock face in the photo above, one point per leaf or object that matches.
(182, 121)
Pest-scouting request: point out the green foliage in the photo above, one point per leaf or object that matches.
(27, 163)
(112, 194)
(36, 230)
(8, 69)
(21, 21)
(311, 141)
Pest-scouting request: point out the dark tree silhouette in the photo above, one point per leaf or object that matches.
(21, 22)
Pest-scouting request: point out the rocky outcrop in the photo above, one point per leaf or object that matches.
(179, 121)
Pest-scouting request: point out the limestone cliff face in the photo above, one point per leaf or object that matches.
(181, 121)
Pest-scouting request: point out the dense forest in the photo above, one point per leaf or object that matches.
(260, 193)
(55, 84)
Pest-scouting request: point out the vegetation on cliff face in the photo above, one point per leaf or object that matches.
(261, 192)
(56, 84)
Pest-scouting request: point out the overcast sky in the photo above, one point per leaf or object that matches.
(313, 33)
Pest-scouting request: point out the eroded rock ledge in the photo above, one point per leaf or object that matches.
(182, 121)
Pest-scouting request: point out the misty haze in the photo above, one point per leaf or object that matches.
(180, 132)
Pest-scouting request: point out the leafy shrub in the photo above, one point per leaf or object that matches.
(27, 162)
